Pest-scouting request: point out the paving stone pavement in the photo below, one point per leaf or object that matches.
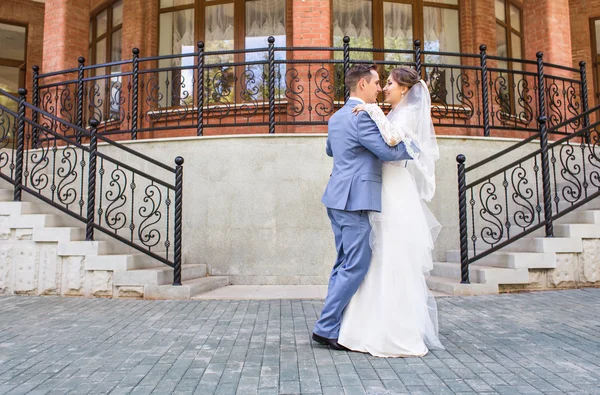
(535, 343)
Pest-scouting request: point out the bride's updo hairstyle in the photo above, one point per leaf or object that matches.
(405, 76)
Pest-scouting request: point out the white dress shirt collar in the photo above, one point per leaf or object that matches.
(357, 99)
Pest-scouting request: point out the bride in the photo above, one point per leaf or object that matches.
(393, 313)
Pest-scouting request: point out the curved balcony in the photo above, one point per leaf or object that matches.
(292, 89)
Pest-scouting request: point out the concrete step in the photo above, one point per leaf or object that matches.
(187, 289)
(157, 275)
(62, 234)
(584, 231)
(546, 244)
(511, 260)
(81, 248)
(17, 208)
(454, 287)
(32, 221)
(580, 217)
(121, 262)
(481, 274)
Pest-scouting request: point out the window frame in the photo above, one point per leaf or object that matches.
(239, 21)
(417, 15)
(110, 30)
(510, 30)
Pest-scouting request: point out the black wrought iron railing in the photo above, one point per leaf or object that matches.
(273, 88)
(500, 207)
(61, 164)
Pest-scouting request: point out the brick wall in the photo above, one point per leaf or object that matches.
(548, 29)
(66, 31)
(581, 12)
(30, 14)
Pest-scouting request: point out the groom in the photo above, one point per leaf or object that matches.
(353, 190)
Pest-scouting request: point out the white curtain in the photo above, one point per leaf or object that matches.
(398, 21)
(441, 29)
(265, 18)
(219, 22)
(352, 18)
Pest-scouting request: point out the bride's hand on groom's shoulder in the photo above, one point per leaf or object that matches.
(358, 108)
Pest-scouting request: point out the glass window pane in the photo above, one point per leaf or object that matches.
(501, 44)
(116, 46)
(398, 30)
(516, 46)
(441, 30)
(219, 31)
(176, 32)
(515, 18)
(265, 18)
(12, 42)
(597, 26)
(101, 51)
(101, 21)
(174, 3)
(117, 13)
(353, 19)
(176, 37)
(9, 78)
(441, 33)
(500, 10)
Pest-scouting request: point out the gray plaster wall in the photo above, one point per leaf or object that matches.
(252, 207)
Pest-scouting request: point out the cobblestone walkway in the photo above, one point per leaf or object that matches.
(537, 343)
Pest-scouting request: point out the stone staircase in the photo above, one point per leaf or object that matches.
(44, 252)
(570, 259)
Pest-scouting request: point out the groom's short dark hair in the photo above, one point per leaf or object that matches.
(358, 72)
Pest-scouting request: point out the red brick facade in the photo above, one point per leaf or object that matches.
(58, 31)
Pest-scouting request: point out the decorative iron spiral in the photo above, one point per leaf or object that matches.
(323, 92)
(293, 92)
(116, 219)
(490, 213)
(150, 236)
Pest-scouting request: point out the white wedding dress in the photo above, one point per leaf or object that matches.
(393, 313)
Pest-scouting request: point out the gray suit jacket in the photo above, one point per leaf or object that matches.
(358, 150)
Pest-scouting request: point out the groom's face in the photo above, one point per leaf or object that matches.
(371, 88)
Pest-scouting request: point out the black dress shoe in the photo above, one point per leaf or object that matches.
(332, 343)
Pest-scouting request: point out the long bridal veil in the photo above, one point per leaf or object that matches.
(403, 234)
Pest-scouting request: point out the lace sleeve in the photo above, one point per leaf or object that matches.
(390, 136)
